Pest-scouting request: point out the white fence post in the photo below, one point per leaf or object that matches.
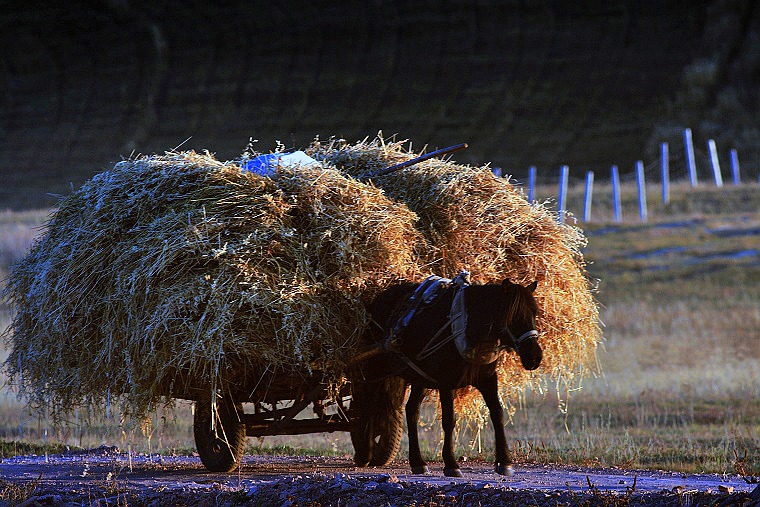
(564, 174)
(640, 183)
(616, 194)
(735, 167)
(587, 196)
(665, 171)
(713, 149)
(692, 165)
(531, 183)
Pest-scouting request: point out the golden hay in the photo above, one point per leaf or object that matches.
(183, 264)
(474, 220)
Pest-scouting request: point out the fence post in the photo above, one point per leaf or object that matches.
(587, 196)
(616, 194)
(713, 149)
(735, 167)
(692, 165)
(531, 183)
(564, 173)
(640, 183)
(665, 170)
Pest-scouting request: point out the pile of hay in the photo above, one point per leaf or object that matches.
(471, 219)
(181, 264)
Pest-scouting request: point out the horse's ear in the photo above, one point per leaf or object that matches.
(532, 287)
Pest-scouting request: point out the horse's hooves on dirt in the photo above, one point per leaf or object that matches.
(452, 472)
(423, 470)
(505, 470)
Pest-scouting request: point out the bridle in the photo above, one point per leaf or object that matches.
(523, 337)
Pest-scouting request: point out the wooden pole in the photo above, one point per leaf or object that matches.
(641, 184)
(587, 196)
(564, 174)
(690, 162)
(714, 162)
(616, 194)
(417, 160)
(735, 167)
(531, 183)
(665, 170)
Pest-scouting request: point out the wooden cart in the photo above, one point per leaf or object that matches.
(292, 404)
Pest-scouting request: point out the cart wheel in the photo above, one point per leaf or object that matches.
(387, 440)
(377, 434)
(220, 445)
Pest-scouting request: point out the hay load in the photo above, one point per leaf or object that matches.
(471, 219)
(180, 264)
(176, 267)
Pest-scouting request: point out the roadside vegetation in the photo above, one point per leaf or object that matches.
(680, 383)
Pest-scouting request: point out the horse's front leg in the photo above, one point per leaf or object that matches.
(451, 467)
(489, 389)
(416, 462)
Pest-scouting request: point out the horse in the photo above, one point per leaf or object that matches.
(447, 342)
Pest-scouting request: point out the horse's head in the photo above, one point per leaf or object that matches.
(501, 316)
(520, 324)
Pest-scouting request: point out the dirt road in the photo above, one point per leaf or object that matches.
(106, 476)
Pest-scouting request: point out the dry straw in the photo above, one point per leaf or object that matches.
(175, 272)
(471, 219)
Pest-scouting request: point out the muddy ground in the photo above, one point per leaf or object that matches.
(107, 476)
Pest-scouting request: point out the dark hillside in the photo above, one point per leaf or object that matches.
(524, 83)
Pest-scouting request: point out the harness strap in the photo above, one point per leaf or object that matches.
(425, 294)
(416, 368)
(431, 347)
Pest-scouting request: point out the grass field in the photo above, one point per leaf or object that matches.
(680, 386)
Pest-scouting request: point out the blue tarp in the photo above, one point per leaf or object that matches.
(267, 164)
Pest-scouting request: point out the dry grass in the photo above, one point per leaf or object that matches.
(182, 264)
(472, 220)
(680, 389)
(179, 272)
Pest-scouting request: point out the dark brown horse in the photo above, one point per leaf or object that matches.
(448, 343)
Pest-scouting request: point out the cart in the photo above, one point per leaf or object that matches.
(293, 404)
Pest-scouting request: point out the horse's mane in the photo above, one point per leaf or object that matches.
(494, 299)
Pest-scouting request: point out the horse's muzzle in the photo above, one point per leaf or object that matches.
(530, 354)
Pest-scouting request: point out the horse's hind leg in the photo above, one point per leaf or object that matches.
(450, 465)
(489, 389)
(416, 462)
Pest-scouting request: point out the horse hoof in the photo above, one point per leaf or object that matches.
(452, 472)
(505, 470)
(421, 470)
